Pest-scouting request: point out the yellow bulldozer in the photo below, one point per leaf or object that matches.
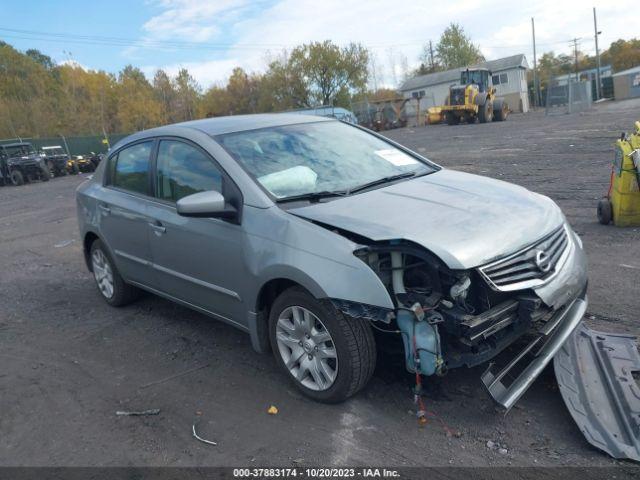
(474, 98)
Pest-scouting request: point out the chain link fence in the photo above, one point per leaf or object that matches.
(571, 97)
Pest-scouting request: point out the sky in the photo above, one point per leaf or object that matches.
(211, 37)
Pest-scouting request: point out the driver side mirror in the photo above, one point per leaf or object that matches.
(209, 204)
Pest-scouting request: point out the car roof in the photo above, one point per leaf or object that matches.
(238, 123)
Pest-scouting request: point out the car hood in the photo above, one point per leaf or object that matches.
(466, 220)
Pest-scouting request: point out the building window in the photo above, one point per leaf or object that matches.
(500, 79)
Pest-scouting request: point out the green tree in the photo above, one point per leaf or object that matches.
(330, 72)
(187, 95)
(455, 49)
(138, 108)
(166, 95)
(622, 54)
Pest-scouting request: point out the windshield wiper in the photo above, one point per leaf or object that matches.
(313, 196)
(381, 181)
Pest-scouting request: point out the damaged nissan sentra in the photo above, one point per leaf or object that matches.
(308, 232)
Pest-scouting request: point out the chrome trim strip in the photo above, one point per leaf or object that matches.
(182, 276)
(536, 282)
(133, 258)
(197, 281)
(190, 305)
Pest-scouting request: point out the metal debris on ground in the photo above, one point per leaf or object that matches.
(142, 413)
(203, 440)
(66, 243)
(596, 373)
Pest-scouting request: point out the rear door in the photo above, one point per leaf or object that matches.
(123, 205)
(197, 260)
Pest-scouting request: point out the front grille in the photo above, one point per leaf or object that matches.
(530, 267)
(457, 96)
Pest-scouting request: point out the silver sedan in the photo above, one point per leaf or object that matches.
(316, 237)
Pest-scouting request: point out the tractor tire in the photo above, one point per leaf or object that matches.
(485, 112)
(45, 173)
(605, 211)
(17, 178)
(500, 110)
(451, 119)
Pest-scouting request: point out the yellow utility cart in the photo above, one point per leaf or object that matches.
(622, 203)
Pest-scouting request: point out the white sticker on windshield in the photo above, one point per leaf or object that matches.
(396, 157)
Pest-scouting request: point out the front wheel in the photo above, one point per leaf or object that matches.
(328, 356)
(17, 178)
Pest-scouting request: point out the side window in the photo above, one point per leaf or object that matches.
(131, 169)
(496, 79)
(504, 78)
(183, 170)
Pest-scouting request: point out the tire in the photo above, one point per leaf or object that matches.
(120, 293)
(500, 111)
(52, 170)
(45, 173)
(17, 178)
(485, 112)
(74, 169)
(605, 211)
(350, 341)
(451, 118)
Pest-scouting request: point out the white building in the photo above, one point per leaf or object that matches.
(509, 78)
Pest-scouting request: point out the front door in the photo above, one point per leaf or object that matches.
(197, 260)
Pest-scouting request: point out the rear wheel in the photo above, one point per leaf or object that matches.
(17, 178)
(500, 110)
(328, 356)
(605, 211)
(45, 173)
(108, 280)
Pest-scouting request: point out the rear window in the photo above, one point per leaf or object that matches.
(130, 168)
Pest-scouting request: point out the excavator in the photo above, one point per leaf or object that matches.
(474, 98)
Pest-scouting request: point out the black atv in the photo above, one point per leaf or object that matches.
(56, 160)
(19, 163)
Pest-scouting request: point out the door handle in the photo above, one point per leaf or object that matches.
(158, 228)
(106, 210)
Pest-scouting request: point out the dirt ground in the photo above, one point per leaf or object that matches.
(68, 361)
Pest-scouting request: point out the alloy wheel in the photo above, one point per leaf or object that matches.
(102, 273)
(306, 348)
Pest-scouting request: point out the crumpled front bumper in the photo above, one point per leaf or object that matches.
(544, 346)
(566, 294)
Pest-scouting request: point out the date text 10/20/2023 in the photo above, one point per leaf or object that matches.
(315, 473)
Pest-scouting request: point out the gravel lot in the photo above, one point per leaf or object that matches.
(68, 361)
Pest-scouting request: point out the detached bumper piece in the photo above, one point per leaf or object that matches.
(595, 372)
(544, 346)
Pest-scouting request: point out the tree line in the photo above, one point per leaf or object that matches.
(40, 98)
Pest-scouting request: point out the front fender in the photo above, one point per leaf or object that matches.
(318, 259)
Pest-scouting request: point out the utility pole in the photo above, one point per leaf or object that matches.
(431, 56)
(598, 84)
(536, 80)
(575, 54)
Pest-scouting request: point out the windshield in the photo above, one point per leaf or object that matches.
(20, 150)
(308, 158)
(472, 76)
